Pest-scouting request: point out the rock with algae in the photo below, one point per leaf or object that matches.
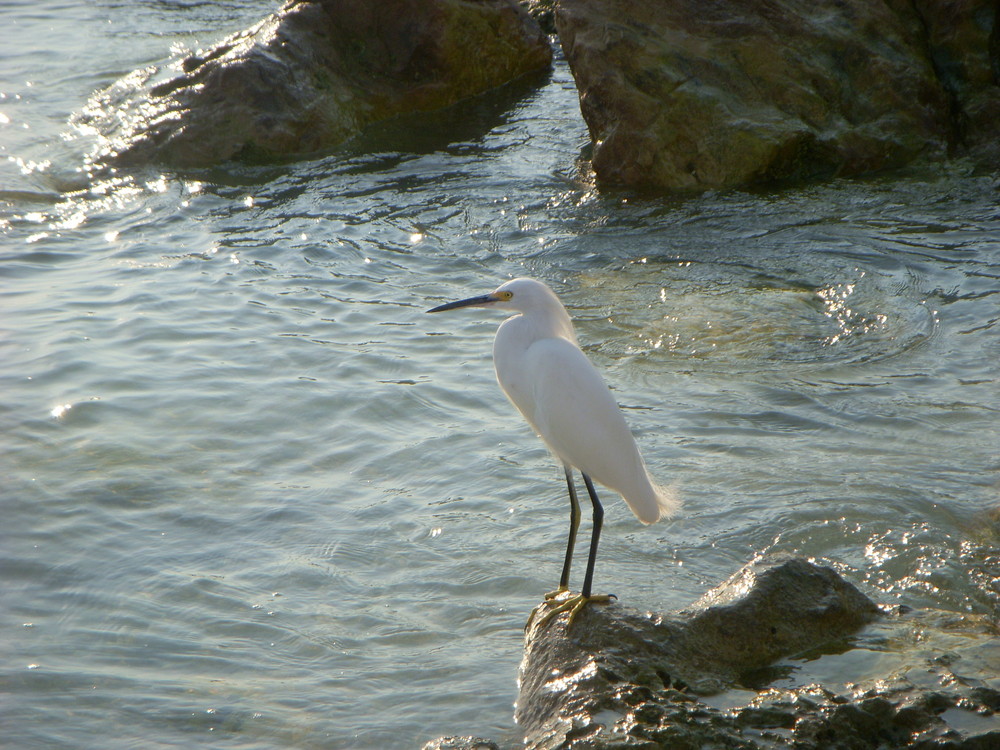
(312, 75)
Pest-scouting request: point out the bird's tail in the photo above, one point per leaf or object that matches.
(658, 502)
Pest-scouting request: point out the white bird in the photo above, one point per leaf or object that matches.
(541, 368)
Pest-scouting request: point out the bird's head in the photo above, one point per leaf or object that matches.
(523, 295)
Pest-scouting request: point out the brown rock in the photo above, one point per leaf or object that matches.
(313, 74)
(693, 95)
(612, 661)
(618, 679)
(964, 44)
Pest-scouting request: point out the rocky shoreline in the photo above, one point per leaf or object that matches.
(677, 95)
(619, 678)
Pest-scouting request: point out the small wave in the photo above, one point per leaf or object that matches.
(734, 321)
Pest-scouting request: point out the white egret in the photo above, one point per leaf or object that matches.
(541, 368)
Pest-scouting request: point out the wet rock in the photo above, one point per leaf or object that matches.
(620, 679)
(963, 40)
(768, 611)
(314, 74)
(687, 95)
(616, 669)
(895, 715)
(461, 743)
(544, 12)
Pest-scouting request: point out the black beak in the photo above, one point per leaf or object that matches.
(481, 301)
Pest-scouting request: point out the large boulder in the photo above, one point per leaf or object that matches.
(314, 74)
(684, 94)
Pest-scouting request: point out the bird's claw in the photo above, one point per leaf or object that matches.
(571, 604)
(549, 597)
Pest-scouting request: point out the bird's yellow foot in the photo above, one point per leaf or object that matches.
(549, 597)
(571, 604)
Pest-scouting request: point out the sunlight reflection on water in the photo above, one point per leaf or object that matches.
(253, 490)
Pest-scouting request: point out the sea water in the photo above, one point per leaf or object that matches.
(252, 496)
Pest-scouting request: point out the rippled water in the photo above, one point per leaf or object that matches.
(252, 496)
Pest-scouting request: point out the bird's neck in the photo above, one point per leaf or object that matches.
(550, 323)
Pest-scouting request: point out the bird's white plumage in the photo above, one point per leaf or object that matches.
(564, 398)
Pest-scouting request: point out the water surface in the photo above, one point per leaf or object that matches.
(254, 497)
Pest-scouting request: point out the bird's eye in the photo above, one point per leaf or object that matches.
(505, 295)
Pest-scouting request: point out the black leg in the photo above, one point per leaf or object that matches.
(595, 536)
(574, 524)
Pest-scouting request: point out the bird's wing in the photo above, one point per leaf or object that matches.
(577, 416)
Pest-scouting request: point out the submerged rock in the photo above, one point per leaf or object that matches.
(314, 74)
(690, 95)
